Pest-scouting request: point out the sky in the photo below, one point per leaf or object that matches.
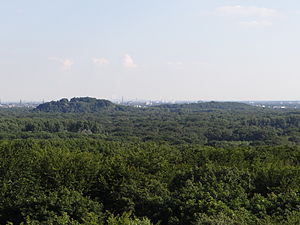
(226, 50)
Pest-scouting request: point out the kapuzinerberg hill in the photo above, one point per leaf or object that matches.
(76, 105)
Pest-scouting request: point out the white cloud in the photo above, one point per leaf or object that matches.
(100, 61)
(255, 23)
(65, 64)
(128, 62)
(244, 11)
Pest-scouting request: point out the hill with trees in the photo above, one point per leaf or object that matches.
(207, 106)
(77, 105)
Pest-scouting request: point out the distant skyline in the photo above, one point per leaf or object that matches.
(222, 50)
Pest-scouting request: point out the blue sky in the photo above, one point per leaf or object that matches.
(170, 49)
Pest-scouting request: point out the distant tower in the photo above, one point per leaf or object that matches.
(122, 100)
(20, 102)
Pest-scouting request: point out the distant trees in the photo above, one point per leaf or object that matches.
(212, 124)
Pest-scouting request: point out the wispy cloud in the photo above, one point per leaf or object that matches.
(249, 16)
(255, 23)
(65, 64)
(128, 62)
(100, 61)
(244, 11)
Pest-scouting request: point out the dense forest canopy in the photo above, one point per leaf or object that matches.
(89, 161)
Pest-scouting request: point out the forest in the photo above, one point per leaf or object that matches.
(90, 161)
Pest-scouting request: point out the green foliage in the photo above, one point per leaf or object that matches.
(206, 163)
(125, 219)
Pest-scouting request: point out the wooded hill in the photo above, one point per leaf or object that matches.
(77, 105)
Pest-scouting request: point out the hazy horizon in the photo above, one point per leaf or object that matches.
(221, 50)
(3, 101)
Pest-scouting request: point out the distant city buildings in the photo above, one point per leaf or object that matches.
(262, 104)
(20, 104)
(149, 103)
(276, 104)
